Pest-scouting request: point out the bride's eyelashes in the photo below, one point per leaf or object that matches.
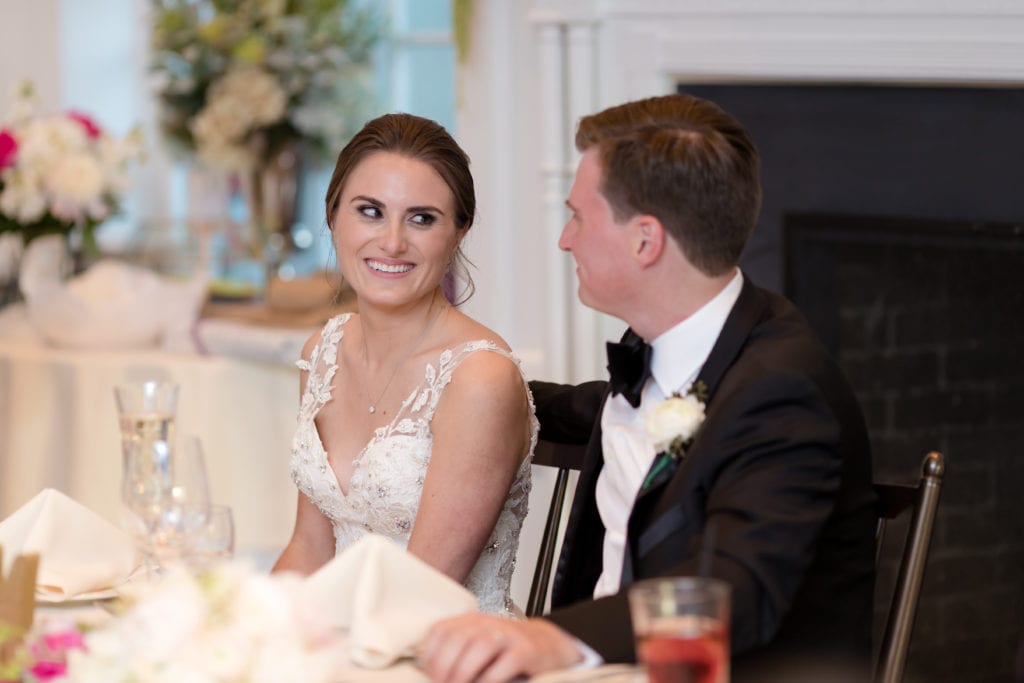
(369, 211)
(423, 218)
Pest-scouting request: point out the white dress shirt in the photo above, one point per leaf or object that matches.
(678, 355)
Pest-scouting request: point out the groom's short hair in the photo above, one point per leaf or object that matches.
(685, 161)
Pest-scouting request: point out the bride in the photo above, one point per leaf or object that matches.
(415, 421)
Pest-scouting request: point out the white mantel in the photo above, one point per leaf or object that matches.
(561, 59)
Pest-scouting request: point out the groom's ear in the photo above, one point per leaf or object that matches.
(647, 239)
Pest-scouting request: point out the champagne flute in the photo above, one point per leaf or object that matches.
(146, 414)
(146, 417)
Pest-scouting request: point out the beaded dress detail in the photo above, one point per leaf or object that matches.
(387, 476)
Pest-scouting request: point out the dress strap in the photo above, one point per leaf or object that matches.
(321, 366)
(422, 402)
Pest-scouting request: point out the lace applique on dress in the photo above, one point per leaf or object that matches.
(387, 476)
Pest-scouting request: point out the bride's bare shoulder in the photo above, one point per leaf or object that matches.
(466, 329)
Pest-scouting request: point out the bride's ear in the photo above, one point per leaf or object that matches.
(647, 241)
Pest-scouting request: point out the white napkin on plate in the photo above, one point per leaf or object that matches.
(79, 551)
(386, 598)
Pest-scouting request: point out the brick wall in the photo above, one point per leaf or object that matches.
(927, 320)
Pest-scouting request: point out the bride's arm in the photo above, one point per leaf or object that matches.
(312, 542)
(481, 431)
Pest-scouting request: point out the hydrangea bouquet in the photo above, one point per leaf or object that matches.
(59, 171)
(240, 80)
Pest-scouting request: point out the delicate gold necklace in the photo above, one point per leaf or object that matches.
(373, 404)
(394, 373)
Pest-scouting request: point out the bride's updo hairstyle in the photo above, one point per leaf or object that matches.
(421, 139)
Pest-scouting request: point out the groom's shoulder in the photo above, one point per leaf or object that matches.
(782, 326)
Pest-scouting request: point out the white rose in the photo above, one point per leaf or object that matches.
(77, 177)
(252, 92)
(22, 197)
(674, 418)
(66, 135)
(161, 621)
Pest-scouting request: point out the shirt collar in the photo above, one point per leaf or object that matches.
(680, 351)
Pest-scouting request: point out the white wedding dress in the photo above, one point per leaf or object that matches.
(387, 478)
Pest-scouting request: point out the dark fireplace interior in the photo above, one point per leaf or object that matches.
(894, 218)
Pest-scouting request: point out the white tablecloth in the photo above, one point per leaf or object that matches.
(58, 428)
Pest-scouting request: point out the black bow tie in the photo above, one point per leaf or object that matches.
(629, 364)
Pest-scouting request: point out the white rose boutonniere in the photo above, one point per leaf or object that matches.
(673, 425)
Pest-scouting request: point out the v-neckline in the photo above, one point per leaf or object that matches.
(377, 435)
(380, 432)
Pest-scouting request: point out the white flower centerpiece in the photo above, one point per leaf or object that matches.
(253, 86)
(228, 624)
(59, 172)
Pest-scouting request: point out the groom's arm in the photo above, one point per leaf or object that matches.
(568, 412)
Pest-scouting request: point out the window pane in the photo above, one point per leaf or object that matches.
(423, 15)
(425, 76)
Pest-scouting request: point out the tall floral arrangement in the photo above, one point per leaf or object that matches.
(240, 80)
(59, 171)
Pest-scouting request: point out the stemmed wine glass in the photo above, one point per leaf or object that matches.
(215, 542)
(166, 499)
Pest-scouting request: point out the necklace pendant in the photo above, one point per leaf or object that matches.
(373, 409)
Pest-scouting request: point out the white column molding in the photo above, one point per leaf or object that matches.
(554, 145)
(587, 361)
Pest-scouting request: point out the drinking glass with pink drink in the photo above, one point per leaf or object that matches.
(681, 625)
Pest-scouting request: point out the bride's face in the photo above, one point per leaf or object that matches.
(394, 230)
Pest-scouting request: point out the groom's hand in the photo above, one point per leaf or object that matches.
(490, 649)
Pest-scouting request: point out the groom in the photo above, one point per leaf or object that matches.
(771, 490)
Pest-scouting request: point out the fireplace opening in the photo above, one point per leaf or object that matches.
(927, 320)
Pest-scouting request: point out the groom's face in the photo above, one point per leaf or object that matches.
(598, 243)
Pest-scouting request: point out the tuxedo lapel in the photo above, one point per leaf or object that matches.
(748, 310)
(745, 314)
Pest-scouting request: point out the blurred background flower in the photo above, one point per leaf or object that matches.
(59, 172)
(241, 80)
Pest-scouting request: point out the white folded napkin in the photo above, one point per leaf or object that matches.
(386, 597)
(79, 551)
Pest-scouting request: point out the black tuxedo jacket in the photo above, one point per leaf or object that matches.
(781, 466)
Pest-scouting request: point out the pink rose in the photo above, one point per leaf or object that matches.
(64, 640)
(50, 653)
(45, 671)
(90, 126)
(8, 149)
